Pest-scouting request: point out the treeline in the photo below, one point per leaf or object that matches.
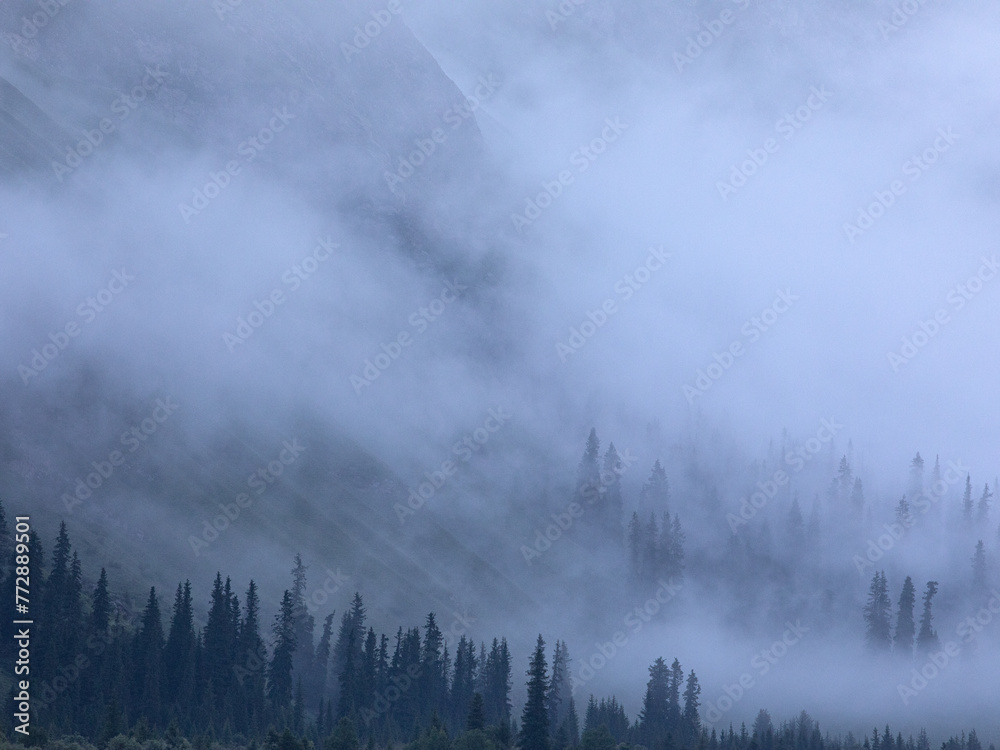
(107, 678)
(99, 670)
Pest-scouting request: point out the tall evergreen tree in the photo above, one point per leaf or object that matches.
(967, 501)
(691, 717)
(352, 623)
(463, 682)
(558, 692)
(588, 475)
(305, 624)
(653, 719)
(321, 661)
(983, 507)
(100, 608)
(878, 635)
(474, 720)
(178, 654)
(497, 684)
(279, 682)
(858, 496)
(612, 503)
(534, 734)
(655, 494)
(927, 638)
(251, 660)
(905, 627)
(148, 661)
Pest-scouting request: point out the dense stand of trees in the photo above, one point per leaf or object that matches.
(113, 678)
(102, 670)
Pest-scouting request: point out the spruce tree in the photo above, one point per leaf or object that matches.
(927, 638)
(558, 690)
(612, 503)
(304, 624)
(878, 636)
(691, 718)
(100, 609)
(279, 682)
(534, 734)
(967, 501)
(178, 653)
(905, 627)
(653, 718)
(983, 507)
(148, 660)
(474, 720)
(588, 475)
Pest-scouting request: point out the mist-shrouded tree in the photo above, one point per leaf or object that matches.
(878, 636)
(305, 624)
(967, 501)
(858, 496)
(219, 642)
(612, 504)
(475, 719)
(655, 494)
(148, 662)
(763, 727)
(433, 678)
(572, 724)
(927, 638)
(904, 516)
(351, 631)
(983, 506)
(905, 627)
(179, 653)
(558, 690)
(674, 685)
(588, 475)
(251, 660)
(653, 719)
(279, 675)
(979, 570)
(534, 734)
(321, 662)
(463, 683)
(497, 684)
(691, 717)
(844, 480)
(916, 486)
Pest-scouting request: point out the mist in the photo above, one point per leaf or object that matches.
(396, 260)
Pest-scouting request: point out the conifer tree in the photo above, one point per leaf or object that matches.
(148, 661)
(967, 501)
(983, 507)
(178, 653)
(927, 638)
(612, 503)
(653, 719)
(691, 718)
(878, 636)
(558, 690)
(474, 719)
(588, 475)
(905, 627)
(279, 682)
(534, 734)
